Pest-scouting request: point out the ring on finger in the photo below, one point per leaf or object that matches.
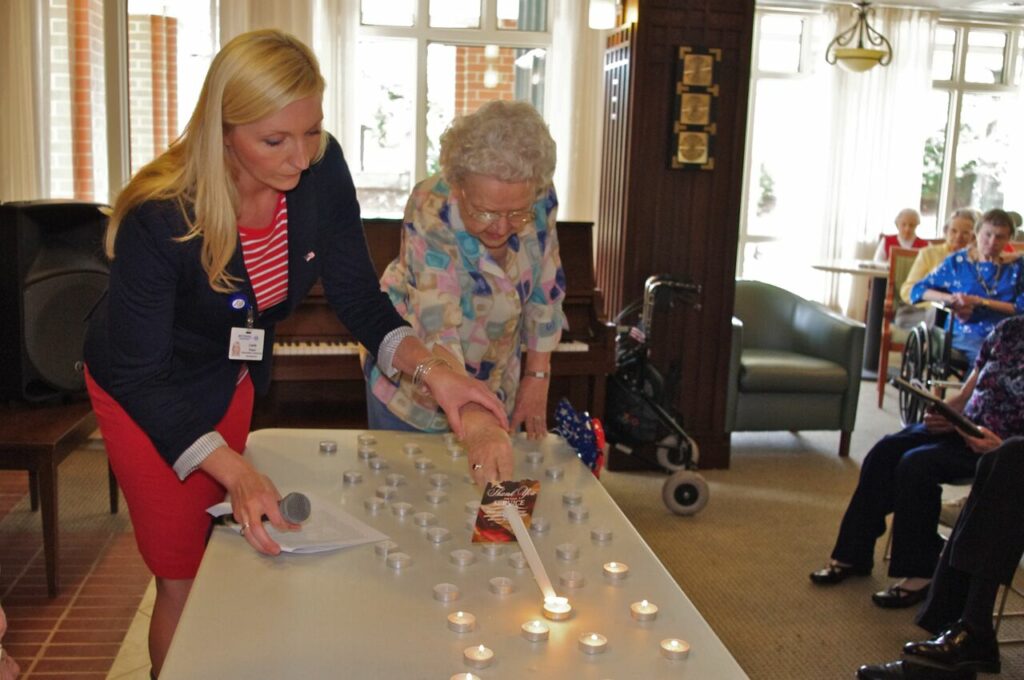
(245, 527)
(477, 466)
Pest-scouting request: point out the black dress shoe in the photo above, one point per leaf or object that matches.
(957, 648)
(836, 573)
(897, 597)
(905, 670)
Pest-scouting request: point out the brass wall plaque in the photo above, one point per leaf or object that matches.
(696, 90)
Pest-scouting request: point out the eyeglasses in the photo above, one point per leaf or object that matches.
(515, 217)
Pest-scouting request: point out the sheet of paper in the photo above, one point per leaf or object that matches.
(328, 528)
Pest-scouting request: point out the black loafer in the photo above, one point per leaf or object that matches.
(957, 648)
(836, 573)
(906, 670)
(896, 597)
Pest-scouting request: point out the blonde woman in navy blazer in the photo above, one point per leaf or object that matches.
(174, 409)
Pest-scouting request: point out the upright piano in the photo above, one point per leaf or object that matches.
(317, 381)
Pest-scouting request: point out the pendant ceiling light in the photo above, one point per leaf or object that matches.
(860, 47)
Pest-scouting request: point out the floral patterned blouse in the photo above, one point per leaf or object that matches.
(998, 398)
(449, 288)
(958, 274)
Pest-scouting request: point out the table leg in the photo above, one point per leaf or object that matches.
(48, 501)
(873, 330)
(112, 486)
(33, 490)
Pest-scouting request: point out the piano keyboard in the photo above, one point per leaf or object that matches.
(351, 348)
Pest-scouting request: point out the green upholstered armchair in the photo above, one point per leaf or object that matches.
(795, 365)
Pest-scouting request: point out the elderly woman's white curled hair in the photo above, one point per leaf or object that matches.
(507, 140)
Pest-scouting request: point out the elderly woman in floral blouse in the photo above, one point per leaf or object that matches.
(479, 278)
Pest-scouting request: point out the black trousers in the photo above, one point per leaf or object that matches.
(988, 539)
(902, 474)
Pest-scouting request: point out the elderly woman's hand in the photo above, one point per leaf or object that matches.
(454, 391)
(985, 443)
(8, 667)
(935, 422)
(488, 448)
(531, 406)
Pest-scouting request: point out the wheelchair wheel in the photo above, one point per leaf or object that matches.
(675, 455)
(914, 369)
(685, 493)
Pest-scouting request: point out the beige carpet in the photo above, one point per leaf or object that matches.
(772, 519)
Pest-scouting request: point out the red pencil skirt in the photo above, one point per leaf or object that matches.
(168, 515)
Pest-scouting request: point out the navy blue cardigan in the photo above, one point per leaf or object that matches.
(158, 341)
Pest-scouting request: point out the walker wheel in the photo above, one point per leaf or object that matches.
(674, 456)
(685, 492)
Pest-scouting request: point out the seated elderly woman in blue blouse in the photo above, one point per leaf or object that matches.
(981, 283)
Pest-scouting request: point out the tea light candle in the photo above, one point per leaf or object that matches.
(572, 579)
(449, 438)
(398, 560)
(502, 585)
(401, 509)
(517, 560)
(438, 479)
(446, 592)
(328, 447)
(557, 608)
(643, 611)
(386, 492)
(366, 439)
(455, 452)
(472, 507)
(535, 631)
(567, 551)
(374, 504)
(438, 534)
(579, 513)
(395, 479)
(378, 464)
(423, 463)
(616, 570)
(675, 649)
(572, 498)
(478, 657)
(492, 549)
(461, 622)
(554, 473)
(384, 547)
(367, 452)
(436, 496)
(465, 676)
(600, 534)
(593, 643)
(462, 557)
(534, 457)
(424, 519)
(539, 525)
(352, 477)
(411, 449)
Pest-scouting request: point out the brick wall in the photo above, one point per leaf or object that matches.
(152, 85)
(483, 74)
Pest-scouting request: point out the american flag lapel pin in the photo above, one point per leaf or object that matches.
(309, 256)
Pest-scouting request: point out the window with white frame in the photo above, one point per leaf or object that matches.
(416, 73)
(969, 158)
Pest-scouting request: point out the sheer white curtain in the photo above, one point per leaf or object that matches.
(575, 86)
(877, 141)
(19, 163)
(293, 16)
(334, 42)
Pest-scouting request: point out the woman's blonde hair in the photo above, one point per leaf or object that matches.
(255, 75)
(507, 140)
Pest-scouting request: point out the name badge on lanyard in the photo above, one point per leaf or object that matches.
(246, 344)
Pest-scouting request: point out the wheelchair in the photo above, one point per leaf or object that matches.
(930, 362)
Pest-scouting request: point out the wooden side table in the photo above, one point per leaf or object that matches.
(37, 438)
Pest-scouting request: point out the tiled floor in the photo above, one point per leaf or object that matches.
(78, 634)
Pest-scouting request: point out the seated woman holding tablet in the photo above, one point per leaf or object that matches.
(903, 472)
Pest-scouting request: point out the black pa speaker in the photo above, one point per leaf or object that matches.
(52, 274)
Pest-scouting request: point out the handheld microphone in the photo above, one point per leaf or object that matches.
(295, 508)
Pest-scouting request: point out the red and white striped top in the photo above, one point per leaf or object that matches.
(265, 251)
